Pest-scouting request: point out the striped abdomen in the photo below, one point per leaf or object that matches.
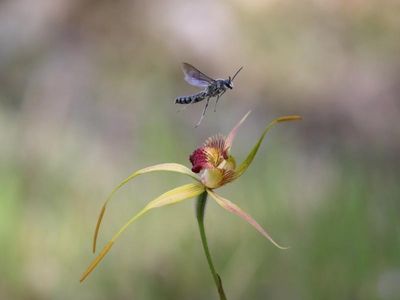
(191, 99)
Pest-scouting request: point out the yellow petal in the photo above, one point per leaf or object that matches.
(288, 118)
(96, 261)
(246, 163)
(173, 196)
(170, 167)
(233, 208)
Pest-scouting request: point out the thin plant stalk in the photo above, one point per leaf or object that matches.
(200, 209)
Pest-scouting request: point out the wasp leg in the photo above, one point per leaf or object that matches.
(204, 112)
(215, 107)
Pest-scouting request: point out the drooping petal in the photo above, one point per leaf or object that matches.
(233, 208)
(173, 196)
(246, 163)
(232, 134)
(170, 167)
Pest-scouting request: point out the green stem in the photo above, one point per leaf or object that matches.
(200, 208)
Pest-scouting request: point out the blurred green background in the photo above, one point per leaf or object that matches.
(87, 93)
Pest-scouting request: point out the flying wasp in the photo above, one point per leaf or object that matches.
(211, 87)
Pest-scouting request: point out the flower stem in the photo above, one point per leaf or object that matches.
(200, 208)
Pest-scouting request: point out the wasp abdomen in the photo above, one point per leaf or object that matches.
(191, 99)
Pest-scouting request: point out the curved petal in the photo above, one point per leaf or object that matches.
(246, 163)
(173, 196)
(233, 208)
(231, 136)
(170, 167)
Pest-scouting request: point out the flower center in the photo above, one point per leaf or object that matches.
(214, 156)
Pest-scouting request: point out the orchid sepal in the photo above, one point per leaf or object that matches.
(233, 208)
(173, 196)
(247, 162)
(169, 167)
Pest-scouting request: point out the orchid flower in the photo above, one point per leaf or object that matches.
(212, 167)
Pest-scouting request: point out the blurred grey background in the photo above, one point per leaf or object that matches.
(87, 93)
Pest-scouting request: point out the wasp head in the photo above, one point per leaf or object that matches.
(228, 83)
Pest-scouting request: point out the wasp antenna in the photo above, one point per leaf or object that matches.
(237, 72)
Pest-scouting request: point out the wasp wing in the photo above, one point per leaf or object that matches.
(195, 77)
